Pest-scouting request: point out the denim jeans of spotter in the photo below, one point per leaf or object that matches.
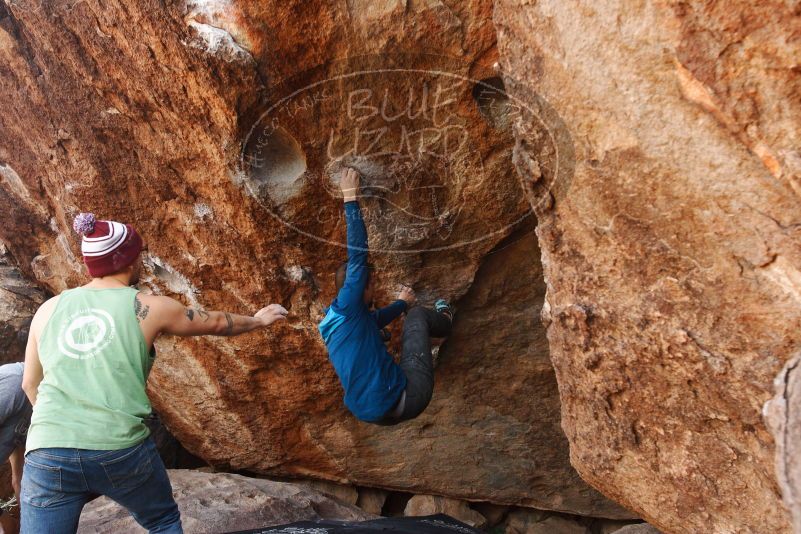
(57, 483)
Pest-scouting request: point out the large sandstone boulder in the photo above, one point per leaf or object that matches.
(671, 243)
(212, 126)
(222, 502)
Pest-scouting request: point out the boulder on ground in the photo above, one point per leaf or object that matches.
(211, 503)
(493, 513)
(371, 500)
(341, 492)
(522, 521)
(610, 526)
(423, 505)
(639, 528)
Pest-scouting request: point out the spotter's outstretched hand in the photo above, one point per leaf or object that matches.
(271, 314)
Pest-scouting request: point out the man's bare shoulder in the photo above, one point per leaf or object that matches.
(44, 313)
(50, 303)
(47, 308)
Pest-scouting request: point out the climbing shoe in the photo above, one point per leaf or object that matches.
(442, 306)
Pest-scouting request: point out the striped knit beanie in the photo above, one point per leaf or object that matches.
(107, 246)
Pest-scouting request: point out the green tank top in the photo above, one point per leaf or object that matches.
(95, 365)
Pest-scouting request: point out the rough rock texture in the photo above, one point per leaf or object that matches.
(173, 117)
(345, 494)
(641, 528)
(537, 522)
(425, 505)
(671, 245)
(371, 500)
(221, 502)
(493, 513)
(782, 416)
(609, 526)
(18, 302)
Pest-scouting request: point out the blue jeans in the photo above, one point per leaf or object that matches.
(57, 483)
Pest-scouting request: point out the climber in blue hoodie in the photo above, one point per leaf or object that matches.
(377, 390)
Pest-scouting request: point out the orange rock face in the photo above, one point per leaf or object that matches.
(671, 249)
(213, 128)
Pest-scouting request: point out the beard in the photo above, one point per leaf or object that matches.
(135, 276)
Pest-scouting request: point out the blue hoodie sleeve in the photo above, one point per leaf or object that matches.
(387, 314)
(356, 275)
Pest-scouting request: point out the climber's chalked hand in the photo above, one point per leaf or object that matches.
(349, 183)
(407, 294)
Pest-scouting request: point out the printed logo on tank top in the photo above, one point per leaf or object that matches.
(85, 333)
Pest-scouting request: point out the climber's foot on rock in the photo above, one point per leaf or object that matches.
(442, 306)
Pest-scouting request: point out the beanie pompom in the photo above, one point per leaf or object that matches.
(84, 223)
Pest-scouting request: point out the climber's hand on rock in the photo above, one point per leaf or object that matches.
(406, 293)
(271, 314)
(349, 183)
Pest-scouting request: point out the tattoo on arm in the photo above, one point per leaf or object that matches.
(140, 310)
(190, 314)
(230, 328)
